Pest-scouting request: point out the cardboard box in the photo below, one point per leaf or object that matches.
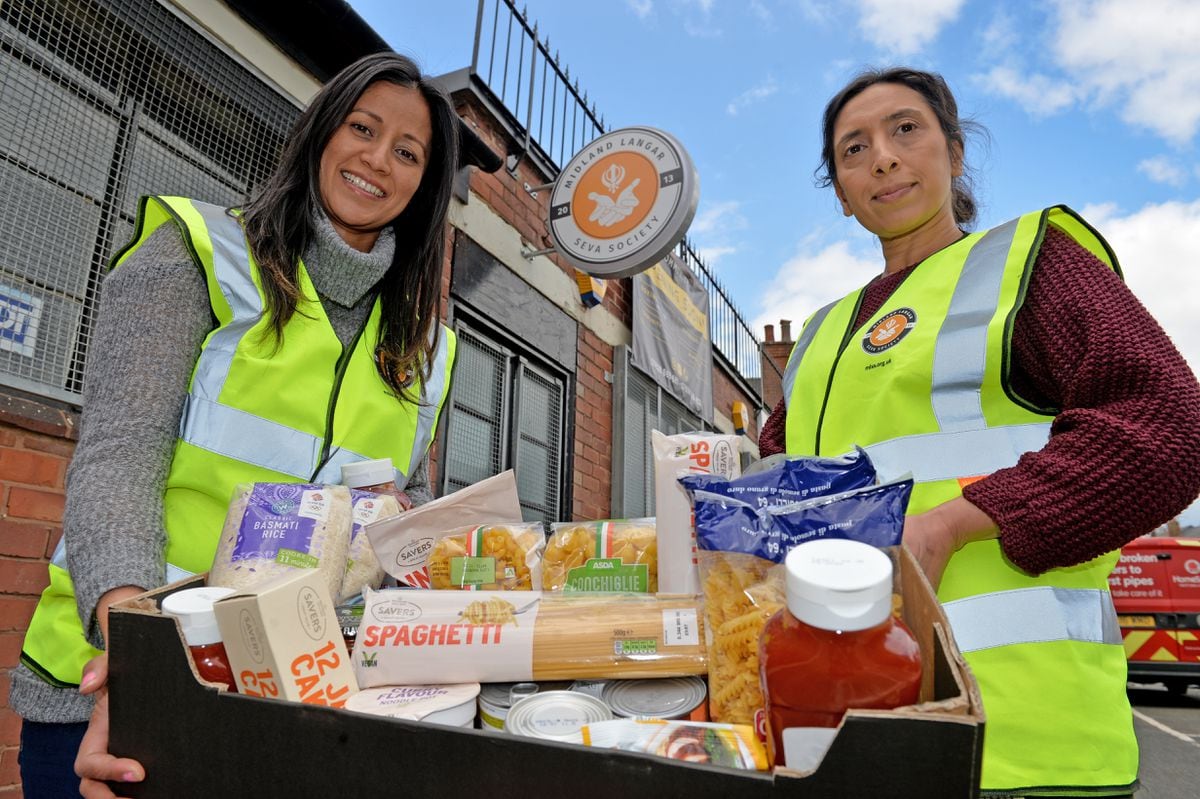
(198, 740)
(284, 640)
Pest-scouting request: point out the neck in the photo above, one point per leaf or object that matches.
(917, 245)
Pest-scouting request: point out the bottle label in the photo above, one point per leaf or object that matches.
(804, 747)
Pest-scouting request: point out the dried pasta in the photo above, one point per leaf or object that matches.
(498, 557)
(575, 545)
(490, 611)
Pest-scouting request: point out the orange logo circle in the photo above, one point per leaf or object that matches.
(614, 195)
(888, 331)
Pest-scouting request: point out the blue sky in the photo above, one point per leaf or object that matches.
(1091, 103)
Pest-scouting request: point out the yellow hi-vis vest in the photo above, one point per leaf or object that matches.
(254, 413)
(923, 386)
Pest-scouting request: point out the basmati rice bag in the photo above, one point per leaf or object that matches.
(362, 567)
(273, 528)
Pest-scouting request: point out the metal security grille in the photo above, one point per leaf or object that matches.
(504, 411)
(101, 102)
(640, 406)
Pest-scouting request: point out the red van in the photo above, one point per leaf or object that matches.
(1156, 590)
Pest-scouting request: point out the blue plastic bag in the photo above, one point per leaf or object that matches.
(789, 479)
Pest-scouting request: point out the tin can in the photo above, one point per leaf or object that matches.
(555, 715)
(497, 697)
(662, 698)
(590, 687)
(453, 705)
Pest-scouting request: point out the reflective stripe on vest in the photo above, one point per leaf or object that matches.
(948, 456)
(59, 559)
(1033, 615)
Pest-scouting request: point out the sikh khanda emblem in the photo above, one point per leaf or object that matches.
(609, 211)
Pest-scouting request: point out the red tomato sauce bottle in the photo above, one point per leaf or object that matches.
(835, 646)
(193, 607)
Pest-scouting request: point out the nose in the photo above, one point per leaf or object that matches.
(885, 160)
(377, 155)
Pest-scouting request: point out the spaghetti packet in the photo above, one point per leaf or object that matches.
(608, 556)
(742, 549)
(489, 557)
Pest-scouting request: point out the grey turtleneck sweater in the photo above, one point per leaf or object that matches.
(154, 316)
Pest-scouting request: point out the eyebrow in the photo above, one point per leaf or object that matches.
(379, 119)
(903, 112)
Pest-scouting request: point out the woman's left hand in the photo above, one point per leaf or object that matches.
(94, 765)
(936, 534)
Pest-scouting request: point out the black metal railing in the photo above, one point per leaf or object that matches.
(558, 119)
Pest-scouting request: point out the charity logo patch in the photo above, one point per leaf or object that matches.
(889, 331)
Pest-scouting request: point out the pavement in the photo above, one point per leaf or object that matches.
(1168, 730)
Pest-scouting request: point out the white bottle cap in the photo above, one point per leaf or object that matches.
(837, 584)
(194, 609)
(368, 473)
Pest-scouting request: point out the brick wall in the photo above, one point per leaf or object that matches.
(36, 442)
(777, 351)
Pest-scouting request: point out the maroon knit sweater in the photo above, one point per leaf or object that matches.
(1124, 449)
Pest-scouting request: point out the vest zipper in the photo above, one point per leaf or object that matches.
(832, 369)
(339, 372)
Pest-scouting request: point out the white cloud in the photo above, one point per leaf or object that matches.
(752, 96)
(1162, 169)
(710, 255)
(1142, 55)
(717, 218)
(1038, 94)
(641, 8)
(1159, 249)
(812, 278)
(904, 27)
(1000, 36)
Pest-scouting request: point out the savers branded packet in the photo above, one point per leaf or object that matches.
(742, 549)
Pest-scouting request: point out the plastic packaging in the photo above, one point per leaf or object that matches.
(492, 557)
(836, 646)
(362, 567)
(612, 556)
(193, 607)
(783, 479)
(730, 745)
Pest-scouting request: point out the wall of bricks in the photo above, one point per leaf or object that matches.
(36, 443)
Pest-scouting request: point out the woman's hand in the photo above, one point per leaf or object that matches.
(936, 534)
(93, 763)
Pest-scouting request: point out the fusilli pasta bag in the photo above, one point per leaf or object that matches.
(495, 557)
(606, 557)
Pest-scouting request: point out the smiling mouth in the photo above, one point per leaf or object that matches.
(359, 183)
(893, 194)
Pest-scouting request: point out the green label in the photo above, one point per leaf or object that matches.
(635, 646)
(472, 571)
(609, 575)
(292, 557)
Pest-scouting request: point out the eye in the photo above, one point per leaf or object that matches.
(406, 154)
(853, 149)
(359, 128)
(906, 127)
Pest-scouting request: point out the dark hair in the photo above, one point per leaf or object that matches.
(932, 87)
(279, 226)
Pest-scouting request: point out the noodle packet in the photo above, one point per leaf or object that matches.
(362, 567)
(272, 529)
(729, 745)
(782, 479)
(608, 556)
(742, 549)
(489, 557)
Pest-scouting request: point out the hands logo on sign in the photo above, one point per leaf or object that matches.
(607, 212)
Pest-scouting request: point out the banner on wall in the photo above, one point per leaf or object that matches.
(670, 333)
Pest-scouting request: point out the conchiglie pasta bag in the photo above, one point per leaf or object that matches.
(609, 556)
(272, 529)
(741, 549)
(675, 456)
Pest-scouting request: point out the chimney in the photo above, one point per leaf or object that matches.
(770, 334)
(785, 330)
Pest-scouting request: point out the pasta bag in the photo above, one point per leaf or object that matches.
(272, 529)
(611, 556)
(362, 567)
(496, 557)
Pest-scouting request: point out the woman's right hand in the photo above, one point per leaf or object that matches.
(94, 764)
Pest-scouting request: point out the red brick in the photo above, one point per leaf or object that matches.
(10, 649)
(23, 540)
(9, 437)
(16, 611)
(10, 772)
(23, 576)
(27, 503)
(49, 444)
(34, 468)
(10, 727)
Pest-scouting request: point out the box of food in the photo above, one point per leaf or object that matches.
(198, 740)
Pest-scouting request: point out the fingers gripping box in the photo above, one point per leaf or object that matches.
(284, 641)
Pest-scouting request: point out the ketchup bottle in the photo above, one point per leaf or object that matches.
(194, 609)
(836, 646)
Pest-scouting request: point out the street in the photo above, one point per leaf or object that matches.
(1168, 730)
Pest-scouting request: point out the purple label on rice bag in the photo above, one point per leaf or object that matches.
(278, 517)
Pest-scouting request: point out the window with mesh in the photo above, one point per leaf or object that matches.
(506, 410)
(101, 102)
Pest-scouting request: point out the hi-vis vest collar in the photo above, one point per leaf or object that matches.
(219, 428)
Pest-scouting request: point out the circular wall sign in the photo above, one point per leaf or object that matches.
(621, 204)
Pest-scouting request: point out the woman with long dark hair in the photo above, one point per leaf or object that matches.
(271, 343)
(1046, 419)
